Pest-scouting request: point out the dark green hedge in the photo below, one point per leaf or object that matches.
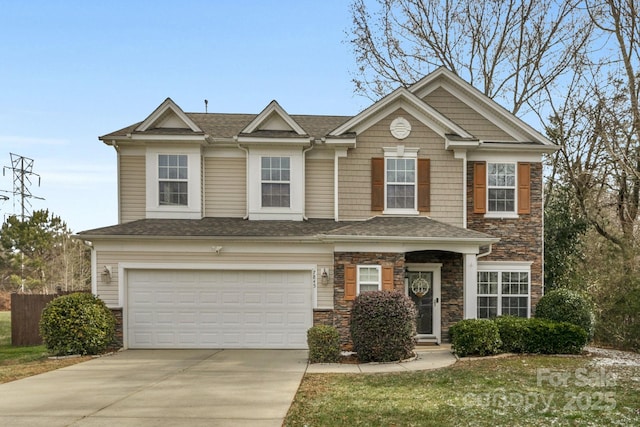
(324, 344)
(482, 337)
(475, 337)
(78, 323)
(565, 305)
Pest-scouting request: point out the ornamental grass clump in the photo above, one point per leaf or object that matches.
(78, 323)
(383, 326)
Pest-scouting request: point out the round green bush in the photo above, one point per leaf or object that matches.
(475, 337)
(565, 305)
(383, 326)
(324, 344)
(78, 323)
(546, 336)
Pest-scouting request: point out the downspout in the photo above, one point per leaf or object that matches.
(304, 179)
(335, 186)
(114, 144)
(246, 157)
(486, 253)
(464, 191)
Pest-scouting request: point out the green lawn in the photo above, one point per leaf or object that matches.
(512, 391)
(21, 362)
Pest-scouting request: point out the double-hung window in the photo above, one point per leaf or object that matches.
(401, 183)
(368, 278)
(173, 180)
(276, 184)
(501, 186)
(502, 293)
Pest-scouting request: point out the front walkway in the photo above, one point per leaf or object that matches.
(426, 358)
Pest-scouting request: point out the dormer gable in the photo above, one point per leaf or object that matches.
(401, 98)
(480, 103)
(168, 116)
(273, 118)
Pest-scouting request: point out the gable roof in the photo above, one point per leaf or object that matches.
(168, 116)
(490, 109)
(268, 120)
(419, 109)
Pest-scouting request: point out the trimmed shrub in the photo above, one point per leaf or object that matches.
(383, 326)
(513, 331)
(324, 344)
(565, 305)
(475, 337)
(77, 323)
(549, 337)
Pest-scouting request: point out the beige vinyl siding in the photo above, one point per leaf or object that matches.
(108, 291)
(463, 115)
(355, 171)
(319, 188)
(225, 187)
(132, 188)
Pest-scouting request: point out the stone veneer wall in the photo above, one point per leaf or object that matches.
(342, 309)
(520, 239)
(451, 285)
(117, 313)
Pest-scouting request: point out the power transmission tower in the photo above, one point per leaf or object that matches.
(22, 169)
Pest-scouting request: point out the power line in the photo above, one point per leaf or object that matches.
(22, 169)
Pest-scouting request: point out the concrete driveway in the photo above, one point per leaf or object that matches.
(160, 387)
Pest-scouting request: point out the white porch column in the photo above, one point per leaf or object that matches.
(470, 286)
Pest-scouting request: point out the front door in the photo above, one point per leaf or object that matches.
(423, 287)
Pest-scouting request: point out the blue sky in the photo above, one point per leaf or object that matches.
(74, 70)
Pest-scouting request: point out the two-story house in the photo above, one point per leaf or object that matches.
(244, 230)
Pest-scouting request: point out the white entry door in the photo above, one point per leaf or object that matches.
(218, 309)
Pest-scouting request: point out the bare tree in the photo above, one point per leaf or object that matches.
(511, 50)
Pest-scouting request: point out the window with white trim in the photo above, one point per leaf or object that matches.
(502, 293)
(369, 278)
(400, 183)
(276, 184)
(501, 187)
(173, 180)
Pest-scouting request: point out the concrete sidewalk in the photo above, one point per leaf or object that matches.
(426, 358)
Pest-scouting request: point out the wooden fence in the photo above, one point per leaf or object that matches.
(26, 310)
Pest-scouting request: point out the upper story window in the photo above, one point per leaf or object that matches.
(173, 180)
(401, 183)
(501, 186)
(276, 182)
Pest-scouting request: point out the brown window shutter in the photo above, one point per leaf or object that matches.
(387, 279)
(480, 187)
(349, 282)
(424, 185)
(524, 188)
(377, 184)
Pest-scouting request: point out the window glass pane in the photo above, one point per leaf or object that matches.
(368, 274)
(275, 195)
(368, 288)
(487, 307)
(514, 306)
(173, 193)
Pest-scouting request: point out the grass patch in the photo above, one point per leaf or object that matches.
(486, 392)
(21, 362)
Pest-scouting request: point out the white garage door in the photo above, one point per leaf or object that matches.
(218, 309)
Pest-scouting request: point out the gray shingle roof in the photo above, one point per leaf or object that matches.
(384, 227)
(223, 125)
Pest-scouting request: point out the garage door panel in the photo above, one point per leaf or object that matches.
(218, 309)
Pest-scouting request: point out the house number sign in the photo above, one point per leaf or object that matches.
(420, 287)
